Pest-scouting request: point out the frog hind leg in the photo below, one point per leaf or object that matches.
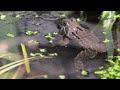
(85, 54)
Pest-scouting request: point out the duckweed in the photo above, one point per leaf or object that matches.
(106, 40)
(62, 76)
(36, 54)
(2, 17)
(104, 33)
(50, 36)
(84, 72)
(53, 54)
(42, 50)
(18, 16)
(55, 33)
(110, 72)
(78, 19)
(30, 32)
(10, 35)
(37, 24)
(118, 49)
(45, 76)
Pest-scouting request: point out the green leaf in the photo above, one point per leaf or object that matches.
(63, 15)
(55, 33)
(27, 65)
(50, 41)
(104, 32)
(62, 76)
(105, 14)
(18, 16)
(2, 17)
(10, 35)
(32, 54)
(45, 76)
(84, 72)
(35, 32)
(78, 19)
(101, 67)
(41, 55)
(53, 54)
(117, 16)
(42, 50)
(118, 49)
(29, 32)
(106, 40)
(37, 24)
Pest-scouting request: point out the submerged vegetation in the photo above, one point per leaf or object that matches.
(13, 62)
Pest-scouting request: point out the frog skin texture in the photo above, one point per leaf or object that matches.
(91, 41)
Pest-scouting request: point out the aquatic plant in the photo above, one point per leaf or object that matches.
(112, 71)
(50, 37)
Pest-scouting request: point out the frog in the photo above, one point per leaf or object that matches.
(82, 37)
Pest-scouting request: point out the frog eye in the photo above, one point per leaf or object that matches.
(64, 23)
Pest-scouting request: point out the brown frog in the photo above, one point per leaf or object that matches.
(84, 38)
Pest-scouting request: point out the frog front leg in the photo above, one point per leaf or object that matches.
(85, 54)
(63, 42)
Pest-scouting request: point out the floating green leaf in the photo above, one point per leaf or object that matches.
(37, 24)
(62, 76)
(118, 49)
(2, 17)
(10, 35)
(18, 16)
(104, 32)
(53, 54)
(101, 67)
(55, 33)
(29, 32)
(35, 32)
(106, 40)
(63, 15)
(32, 54)
(78, 19)
(45, 76)
(117, 16)
(42, 50)
(84, 72)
